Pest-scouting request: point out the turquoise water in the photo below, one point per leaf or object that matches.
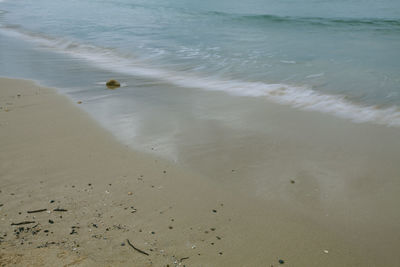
(339, 56)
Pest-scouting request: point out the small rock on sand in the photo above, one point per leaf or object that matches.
(112, 84)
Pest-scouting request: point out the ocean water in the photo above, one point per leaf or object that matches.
(338, 56)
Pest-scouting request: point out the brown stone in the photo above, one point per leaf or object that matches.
(112, 84)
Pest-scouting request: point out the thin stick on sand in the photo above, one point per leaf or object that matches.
(138, 250)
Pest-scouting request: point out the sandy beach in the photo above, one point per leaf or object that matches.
(71, 195)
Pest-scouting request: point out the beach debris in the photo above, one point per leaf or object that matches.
(215, 211)
(112, 84)
(51, 221)
(292, 181)
(130, 193)
(135, 248)
(184, 258)
(22, 223)
(58, 209)
(79, 102)
(51, 201)
(326, 251)
(281, 261)
(36, 211)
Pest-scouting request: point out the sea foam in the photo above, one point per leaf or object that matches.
(301, 97)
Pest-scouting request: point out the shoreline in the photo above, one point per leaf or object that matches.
(52, 151)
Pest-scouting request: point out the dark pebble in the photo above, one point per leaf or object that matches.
(170, 227)
(292, 181)
(51, 201)
(153, 233)
(51, 221)
(215, 211)
(281, 261)
(122, 244)
(46, 231)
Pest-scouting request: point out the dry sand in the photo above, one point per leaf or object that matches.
(52, 155)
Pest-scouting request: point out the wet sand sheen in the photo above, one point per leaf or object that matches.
(326, 196)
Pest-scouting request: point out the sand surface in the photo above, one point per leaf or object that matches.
(54, 156)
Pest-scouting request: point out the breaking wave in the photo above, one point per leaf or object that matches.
(300, 97)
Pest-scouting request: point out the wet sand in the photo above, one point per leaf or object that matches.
(328, 198)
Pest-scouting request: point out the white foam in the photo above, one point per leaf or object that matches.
(296, 96)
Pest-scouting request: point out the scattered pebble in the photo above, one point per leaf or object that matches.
(79, 102)
(51, 221)
(281, 261)
(326, 251)
(130, 193)
(292, 181)
(215, 211)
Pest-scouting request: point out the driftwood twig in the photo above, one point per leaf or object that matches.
(58, 209)
(35, 211)
(22, 223)
(138, 250)
(184, 258)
